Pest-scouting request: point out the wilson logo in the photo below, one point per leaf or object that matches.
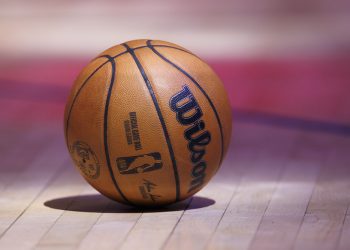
(188, 113)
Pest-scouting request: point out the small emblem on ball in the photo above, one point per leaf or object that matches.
(86, 159)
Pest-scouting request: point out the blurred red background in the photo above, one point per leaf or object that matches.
(282, 58)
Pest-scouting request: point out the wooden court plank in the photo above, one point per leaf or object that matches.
(111, 228)
(344, 241)
(196, 226)
(281, 221)
(242, 218)
(218, 191)
(22, 147)
(308, 204)
(153, 228)
(326, 212)
(56, 237)
(16, 198)
(74, 223)
(38, 218)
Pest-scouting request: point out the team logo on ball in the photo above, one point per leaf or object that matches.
(86, 159)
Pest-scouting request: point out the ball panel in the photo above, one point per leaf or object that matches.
(196, 141)
(139, 154)
(80, 81)
(113, 51)
(210, 82)
(136, 43)
(85, 129)
(163, 43)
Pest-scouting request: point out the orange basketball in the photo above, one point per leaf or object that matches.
(147, 123)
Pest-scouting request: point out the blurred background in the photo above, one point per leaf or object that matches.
(287, 58)
(285, 181)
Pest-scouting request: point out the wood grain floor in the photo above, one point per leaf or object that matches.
(280, 187)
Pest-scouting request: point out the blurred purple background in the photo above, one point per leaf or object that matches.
(287, 58)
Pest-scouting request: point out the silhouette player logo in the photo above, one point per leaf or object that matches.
(140, 163)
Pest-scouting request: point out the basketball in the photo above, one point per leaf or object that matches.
(147, 123)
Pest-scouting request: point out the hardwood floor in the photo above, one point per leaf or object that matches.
(279, 188)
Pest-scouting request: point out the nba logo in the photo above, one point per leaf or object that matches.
(139, 164)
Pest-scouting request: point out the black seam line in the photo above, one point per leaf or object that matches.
(171, 47)
(76, 96)
(105, 127)
(145, 46)
(160, 116)
(114, 57)
(85, 82)
(149, 44)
